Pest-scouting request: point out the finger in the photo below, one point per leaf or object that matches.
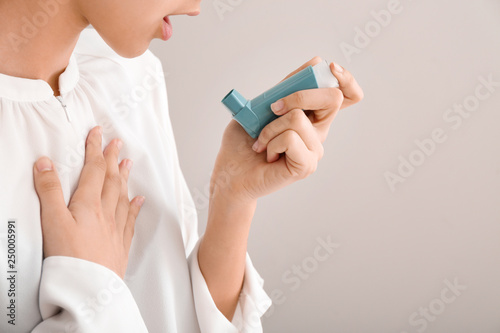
(298, 160)
(123, 203)
(323, 102)
(314, 61)
(297, 121)
(112, 181)
(348, 85)
(48, 188)
(128, 232)
(94, 170)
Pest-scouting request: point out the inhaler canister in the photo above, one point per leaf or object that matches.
(253, 115)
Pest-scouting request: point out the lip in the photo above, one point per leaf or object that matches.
(167, 28)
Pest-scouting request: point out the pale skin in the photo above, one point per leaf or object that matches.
(288, 149)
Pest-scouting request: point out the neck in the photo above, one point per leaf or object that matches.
(37, 38)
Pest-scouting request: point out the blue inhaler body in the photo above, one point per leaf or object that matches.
(253, 115)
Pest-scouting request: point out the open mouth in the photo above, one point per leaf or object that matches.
(167, 28)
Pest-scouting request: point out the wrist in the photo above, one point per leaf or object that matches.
(224, 190)
(227, 205)
(230, 215)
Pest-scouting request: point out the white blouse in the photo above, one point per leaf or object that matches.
(163, 289)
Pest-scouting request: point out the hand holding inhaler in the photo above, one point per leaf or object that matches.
(289, 132)
(253, 115)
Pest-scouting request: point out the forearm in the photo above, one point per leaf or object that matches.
(222, 251)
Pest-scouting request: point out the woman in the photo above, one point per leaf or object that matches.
(58, 81)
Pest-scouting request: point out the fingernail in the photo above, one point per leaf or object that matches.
(119, 144)
(255, 146)
(128, 164)
(140, 201)
(277, 106)
(43, 164)
(337, 67)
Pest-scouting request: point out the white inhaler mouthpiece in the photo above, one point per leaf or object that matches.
(324, 76)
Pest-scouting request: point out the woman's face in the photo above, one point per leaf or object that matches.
(128, 26)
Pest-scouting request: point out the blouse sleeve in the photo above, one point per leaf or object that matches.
(252, 304)
(81, 296)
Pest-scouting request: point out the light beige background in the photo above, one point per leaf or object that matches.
(396, 247)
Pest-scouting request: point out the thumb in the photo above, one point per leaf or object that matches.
(48, 186)
(347, 84)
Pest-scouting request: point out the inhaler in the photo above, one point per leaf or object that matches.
(253, 115)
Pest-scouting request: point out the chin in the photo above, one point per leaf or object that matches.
(131, 50)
